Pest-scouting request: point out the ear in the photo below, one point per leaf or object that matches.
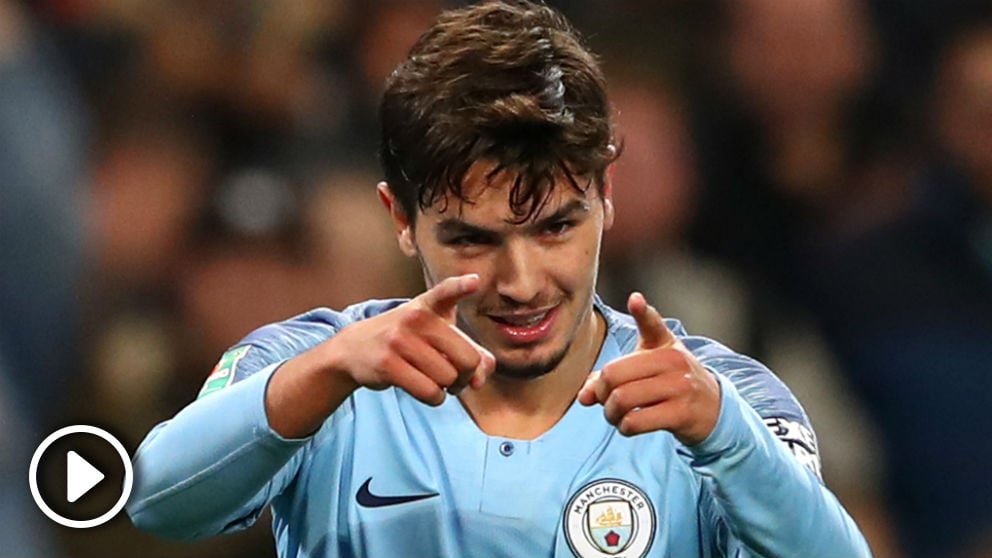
(401, 223)
(608, 211)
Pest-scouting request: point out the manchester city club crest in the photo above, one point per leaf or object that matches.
(609, 517)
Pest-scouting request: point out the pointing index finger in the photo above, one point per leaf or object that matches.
(654, 334)
(442, 297)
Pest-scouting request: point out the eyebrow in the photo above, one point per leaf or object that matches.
(454, 225)
(575, 205)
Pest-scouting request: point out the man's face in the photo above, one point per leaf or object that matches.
(537, 277)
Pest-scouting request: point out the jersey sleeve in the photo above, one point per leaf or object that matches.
(214, 466)
(763, 495)
(774, 402)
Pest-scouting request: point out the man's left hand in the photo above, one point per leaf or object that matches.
(660, 386)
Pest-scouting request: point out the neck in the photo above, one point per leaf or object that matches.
(526, 408)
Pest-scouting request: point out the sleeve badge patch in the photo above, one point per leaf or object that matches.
(799, 439)
(223, 374)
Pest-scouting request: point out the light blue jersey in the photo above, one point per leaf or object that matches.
(387, 476)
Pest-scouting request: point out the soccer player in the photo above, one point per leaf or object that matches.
(506, 411)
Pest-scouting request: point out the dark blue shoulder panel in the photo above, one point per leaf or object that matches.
(280, 341)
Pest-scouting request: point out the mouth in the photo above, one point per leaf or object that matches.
(525, 327)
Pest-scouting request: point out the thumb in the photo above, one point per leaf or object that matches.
(442, 297)
(587, 394)
(654, 334)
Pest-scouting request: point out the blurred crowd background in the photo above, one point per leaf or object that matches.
(809, 181)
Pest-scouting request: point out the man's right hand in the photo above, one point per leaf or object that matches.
(415, 346)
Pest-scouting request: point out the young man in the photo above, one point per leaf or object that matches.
(469, 421)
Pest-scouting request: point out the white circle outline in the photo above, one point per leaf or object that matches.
(567, 527)
(80, 523)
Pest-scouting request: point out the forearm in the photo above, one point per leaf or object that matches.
(773, 505)
(211, 465)
(307, 389)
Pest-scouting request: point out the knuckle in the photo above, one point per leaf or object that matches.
(673, 357)
(693, 384)
(608, 377)
(680, 384)
(628, 425)
(432, 395)
(467, 359)
(685, 360)
(395, 341)
(621, 398)
(446, 378)
(386, 362)
(474, 360)
(414, 316)
(609, 413)
(435, 397)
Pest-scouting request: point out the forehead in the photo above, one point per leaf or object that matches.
(487, 192)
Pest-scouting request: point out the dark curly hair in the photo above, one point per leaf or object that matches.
(505, 81)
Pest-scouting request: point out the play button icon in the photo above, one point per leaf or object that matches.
(80, 476)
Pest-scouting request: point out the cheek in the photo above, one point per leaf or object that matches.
(576, 267)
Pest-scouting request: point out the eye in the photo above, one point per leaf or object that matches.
(559, 227)
(468, 240)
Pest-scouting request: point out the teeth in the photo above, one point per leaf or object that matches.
(525, 321)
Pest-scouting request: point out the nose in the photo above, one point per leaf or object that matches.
(519, 276)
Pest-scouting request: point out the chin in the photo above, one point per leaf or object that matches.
(528, 369)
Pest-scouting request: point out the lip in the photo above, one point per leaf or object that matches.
(526, 334)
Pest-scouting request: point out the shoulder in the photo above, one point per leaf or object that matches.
(757, 385)
(622, 328)
(279, 341)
